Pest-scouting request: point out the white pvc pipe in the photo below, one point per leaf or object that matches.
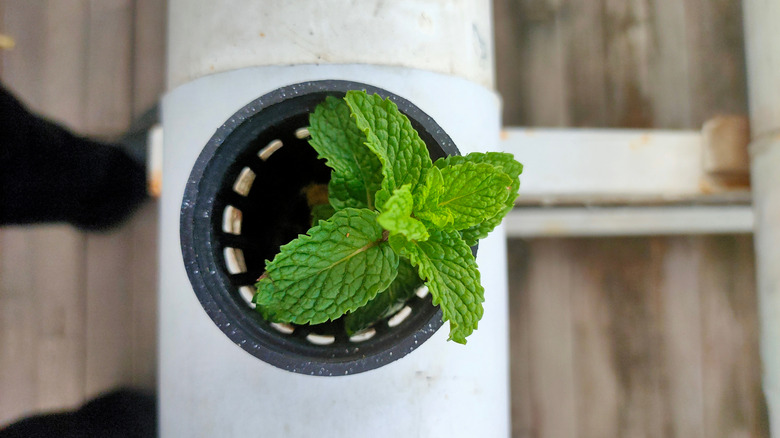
(762, 43)
(628, 221)
(210, 387)
(444, 36)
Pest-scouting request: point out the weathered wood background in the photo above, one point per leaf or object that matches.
(78, 311)
(629, 337)
(645, 337)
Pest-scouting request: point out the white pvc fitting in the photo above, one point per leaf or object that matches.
(224, 54)
(210, 387)
(212, 36)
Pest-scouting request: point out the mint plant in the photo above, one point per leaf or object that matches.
(395, 220)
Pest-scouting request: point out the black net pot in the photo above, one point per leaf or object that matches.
(245, 198)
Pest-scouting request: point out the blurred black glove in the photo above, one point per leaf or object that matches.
(48, 174)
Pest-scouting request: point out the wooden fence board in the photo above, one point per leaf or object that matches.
(532, 64)
(733, 401)
(585, 69)
(109, 112)
(40, 71)
(664, 337)
(148, 53)
(58, 295)
(680, 292)
(716, 58)
(520, 339)
(149, 85)
(109, 60)
(142, 287)
(551, 343)
(664, 329)
(17, 326)
(108, 313)
(68, 298)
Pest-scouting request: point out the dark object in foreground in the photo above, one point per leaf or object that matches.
(48, 174)
(120, 414)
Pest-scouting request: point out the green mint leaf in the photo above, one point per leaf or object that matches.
(343, 193)
(440, 219)
(449, 269)
(397, 216)
(336, 138)
(473, 193)
(472, 235)
(505, 161)
(398, 243)
(427, 201)
(427, 195)
(386, 303)
(390, 135)
(337, 267)
(508, 165)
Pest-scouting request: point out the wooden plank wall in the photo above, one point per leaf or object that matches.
(78, 310)
(651, 337)
(619, 64)
(629, 337)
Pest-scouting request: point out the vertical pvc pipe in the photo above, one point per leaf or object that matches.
(450, 37)
(223, 54)
(762, 43)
